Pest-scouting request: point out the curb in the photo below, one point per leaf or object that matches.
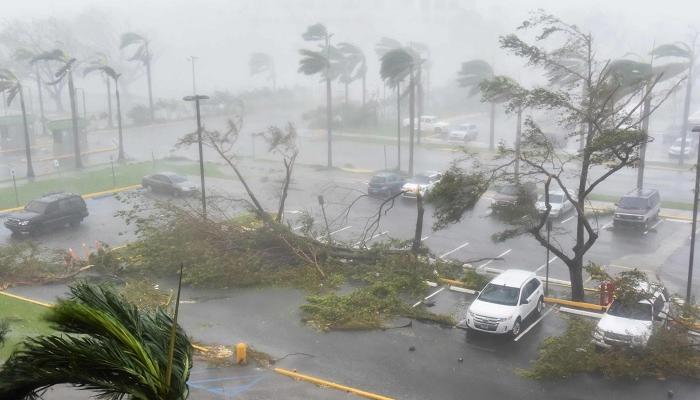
(324, 383)
(28, 300)
(95, 195)
(577, 304)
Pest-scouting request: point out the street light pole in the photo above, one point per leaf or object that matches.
(695, 222)
(194, 86)
(196, 99)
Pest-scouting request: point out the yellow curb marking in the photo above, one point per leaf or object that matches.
(332, 385)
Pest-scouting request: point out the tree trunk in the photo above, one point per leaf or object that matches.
(518, 134)
(329, 121)
(27, 144)
(288, 167)
(150, 87)
(643, 148)
(492, 123)
(686, 105)
(412, 119)
(419, 79)
(576, 277)
(419, 223)
(120, 157)
(74, 119)
(41, 101)
(398, 124)
(109, 101)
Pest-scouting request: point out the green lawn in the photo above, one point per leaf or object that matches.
(25, 320)
(97, 180)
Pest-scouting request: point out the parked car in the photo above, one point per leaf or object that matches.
(691, 146)
(48, 212)
(637, 208)
(422, 183)
(512, 195)
(385, 184)
(505, 302)
(429, 123)
(169, 183)
(558, 200)
(463, 133)
(631, 324)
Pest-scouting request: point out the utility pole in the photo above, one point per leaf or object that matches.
(689, 288)
(192, 59)
(196, 99)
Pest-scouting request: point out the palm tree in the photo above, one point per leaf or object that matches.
(686, 52)
(423, 52)
(113, 75)
(261, 62)
(354, 66)
(105, 344)
(26, 56)
(470, 76)
(65, 72)
(11, 86)
(143, 55)
(396, 65)
(321, 62)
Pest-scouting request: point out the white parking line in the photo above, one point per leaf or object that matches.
(429, 296)
(545, 264)
(654, 226)
(533, 324)
(567, 220)
(489, 261)
(606, 226)
(292, 211)
(465, 244)
(373, 237)
(424, 237)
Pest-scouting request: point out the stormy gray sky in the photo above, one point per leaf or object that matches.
(223, 33)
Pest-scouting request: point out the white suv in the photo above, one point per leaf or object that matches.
(631, 325)
(505, 302)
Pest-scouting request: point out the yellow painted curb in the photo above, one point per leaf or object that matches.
(451, 282)
(332, 385)
(11, 209)
(578, 304)
(87, 196)
(14, 296)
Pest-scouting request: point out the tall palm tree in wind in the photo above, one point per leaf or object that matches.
(142, 54)
(263, 63)
(12, 86)
(114, 76)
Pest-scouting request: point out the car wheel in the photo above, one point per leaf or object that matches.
(75, 223)
(516, 328)
(540, 305)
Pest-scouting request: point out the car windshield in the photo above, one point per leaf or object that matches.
(377, 179)
(500, 294)
(635, 203)
(510, 190)
(177, 179)
(420, 179)
(36, 206)
(553, 198)
(638, 311)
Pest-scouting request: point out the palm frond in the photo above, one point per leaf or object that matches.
(315, 32)
(395, 65)
(384, 45)
(129, 38)
(53, 55)
(472, 73)
(312, 62)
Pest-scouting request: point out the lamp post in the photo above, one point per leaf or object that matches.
(689, 288)
(196, 98)
(192, 59)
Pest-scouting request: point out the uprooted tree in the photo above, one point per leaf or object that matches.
(585, 95)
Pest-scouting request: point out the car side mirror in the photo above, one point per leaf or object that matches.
(524, 301)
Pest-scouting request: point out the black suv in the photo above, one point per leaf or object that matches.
(511, 195)
(50, 211)
(637, 208)
(385, 184)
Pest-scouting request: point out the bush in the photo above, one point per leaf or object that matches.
(25, 262)
(474, 280)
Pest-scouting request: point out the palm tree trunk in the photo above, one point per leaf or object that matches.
(109, 101)
(398, 124)
(492, 123)
(419, 223)
(41, 101)
(686, 105)
(74, 119)
(643, 147)
(412, 119)
(420, 103)
(27, 144)
(517, 146)
(150, 88)
(120, 156)
(329, 121)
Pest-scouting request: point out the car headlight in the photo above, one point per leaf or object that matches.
(504, 319)
(23, 223)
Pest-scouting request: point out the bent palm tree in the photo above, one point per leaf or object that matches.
(319, 62)
(354, 66)
(26, 56)
(396, 65)
(143, 55)
(65, 72)
(10, 85)
(104, 344)
(261, 62)
(470, 76)
(113, 75)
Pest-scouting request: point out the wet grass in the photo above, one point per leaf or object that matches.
(97, 180)
(24, 319)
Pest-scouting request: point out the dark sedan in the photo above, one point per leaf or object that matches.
(169, 183)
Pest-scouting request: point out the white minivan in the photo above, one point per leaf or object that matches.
(505, 302)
